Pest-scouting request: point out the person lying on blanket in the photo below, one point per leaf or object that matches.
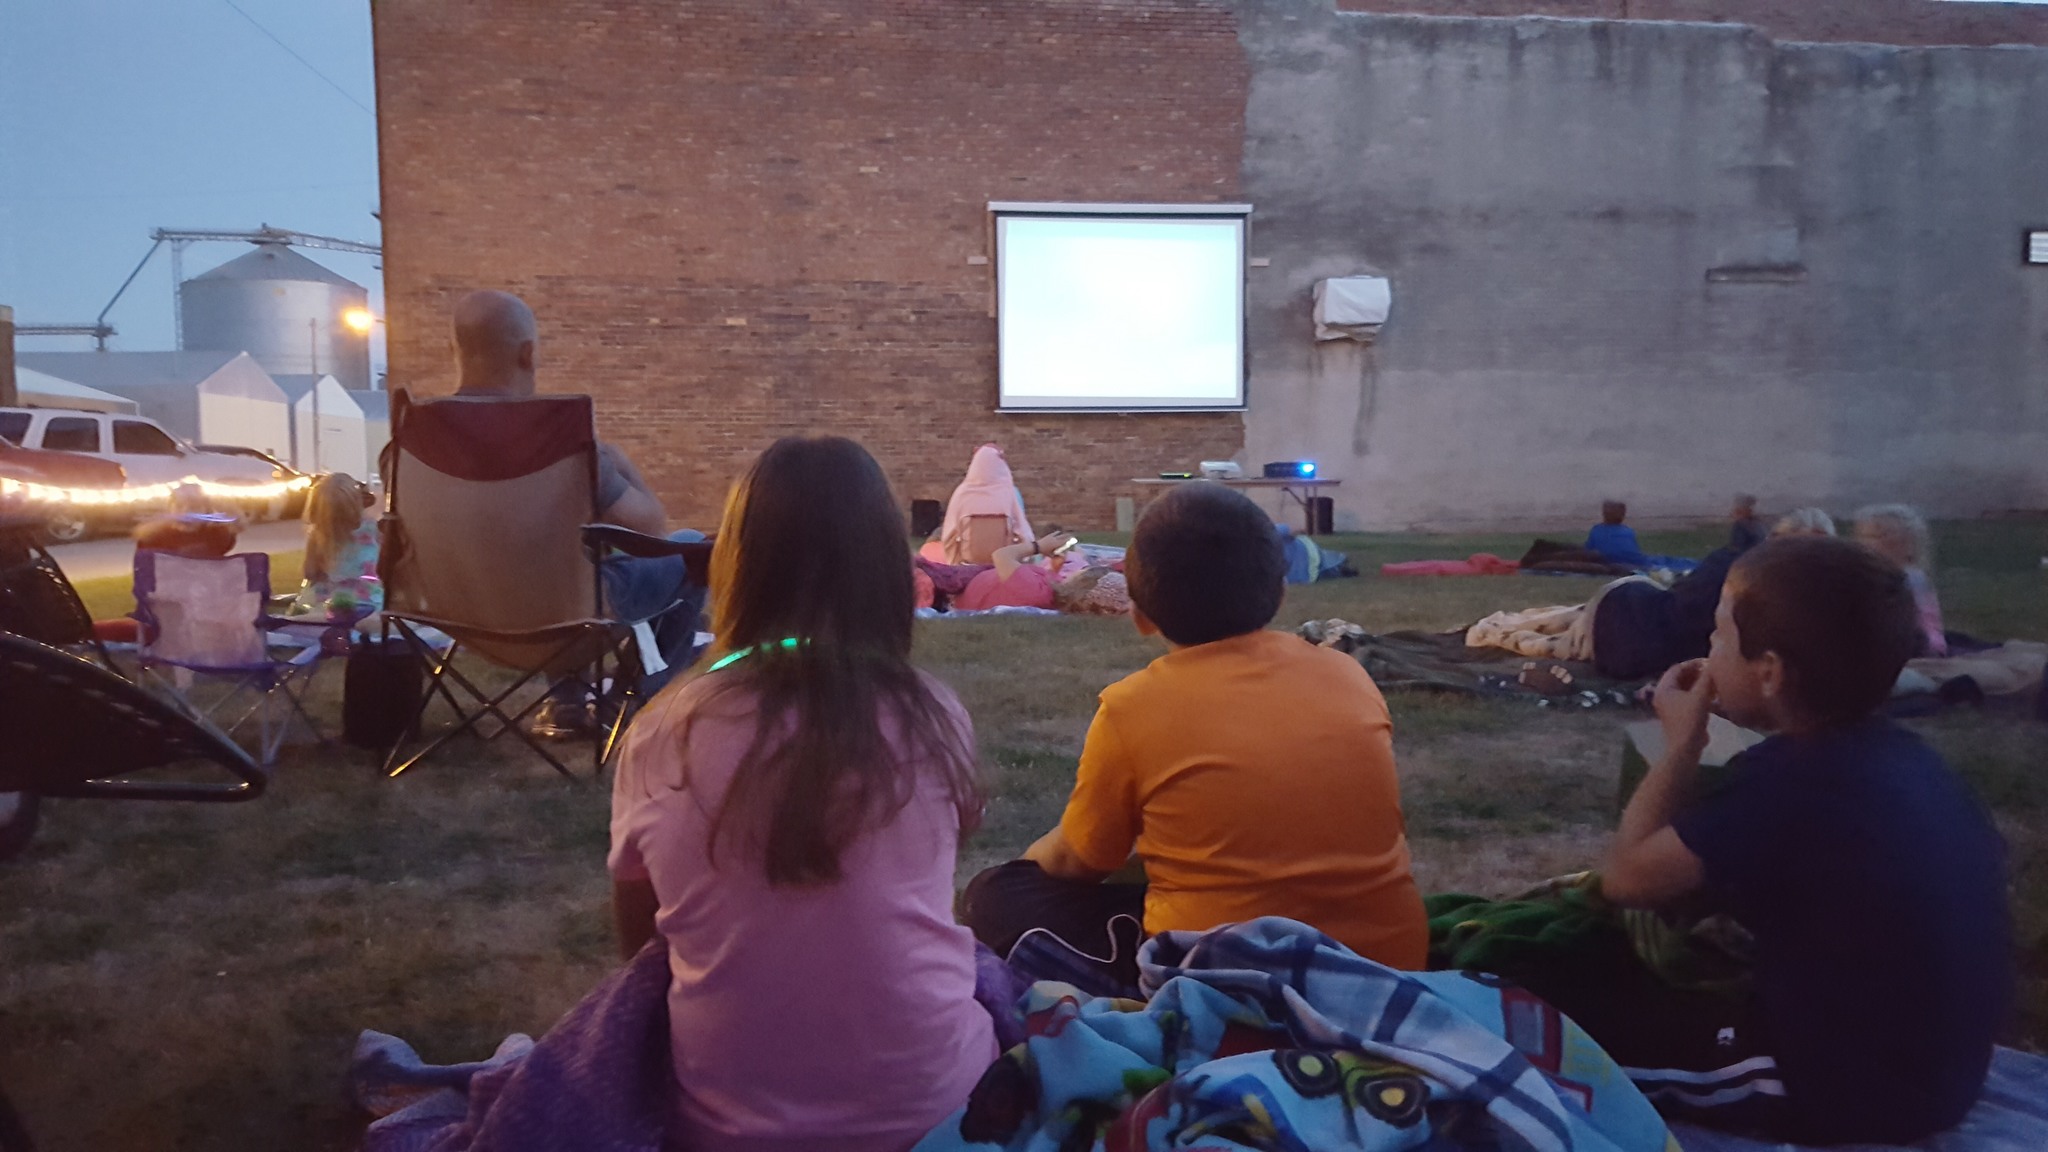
(1870, 876)
(787, 822)
(1042, 573)
(1253, 773)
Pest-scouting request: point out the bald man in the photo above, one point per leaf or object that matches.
(495, 342)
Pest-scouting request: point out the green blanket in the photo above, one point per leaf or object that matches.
(1566, 924)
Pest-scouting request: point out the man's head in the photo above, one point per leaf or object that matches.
(1811, 632)
(1745, 507)
(1205, 565)
(494, 345)
(1613, 512)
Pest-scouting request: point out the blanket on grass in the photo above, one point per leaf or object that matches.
(2013, 668)
(1478, 564)
(1559, 632)
(1441, 662)
(1566, 924)
(1269, 1035)
(601, 1079)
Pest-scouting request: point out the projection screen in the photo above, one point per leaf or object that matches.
(1120, 307)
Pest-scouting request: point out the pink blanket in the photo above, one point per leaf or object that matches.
(1479, 564)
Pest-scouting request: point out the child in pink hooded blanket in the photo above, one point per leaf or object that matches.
(989, 490)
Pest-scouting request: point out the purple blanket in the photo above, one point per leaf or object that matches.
(601, 1079)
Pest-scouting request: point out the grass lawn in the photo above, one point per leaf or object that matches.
(193, 977)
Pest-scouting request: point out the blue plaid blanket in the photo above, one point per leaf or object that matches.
(1270, 1036)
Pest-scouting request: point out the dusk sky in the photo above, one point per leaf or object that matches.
(121, 116)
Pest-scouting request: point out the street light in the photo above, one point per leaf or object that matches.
(357, 319)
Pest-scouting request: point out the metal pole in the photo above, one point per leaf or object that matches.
(100, 321)
(313, 344)
(178, 290)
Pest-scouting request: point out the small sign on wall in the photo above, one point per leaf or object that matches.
(2037, 246)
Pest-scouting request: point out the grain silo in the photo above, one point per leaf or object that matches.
(282, 309)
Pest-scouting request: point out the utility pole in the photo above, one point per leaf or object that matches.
(313, 345)
(8, 395)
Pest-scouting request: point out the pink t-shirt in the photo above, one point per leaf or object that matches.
(800, 1018)
(1030, 586)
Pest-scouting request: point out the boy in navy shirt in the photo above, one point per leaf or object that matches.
(1872, 880)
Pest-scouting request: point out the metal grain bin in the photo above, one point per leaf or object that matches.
(281, 308)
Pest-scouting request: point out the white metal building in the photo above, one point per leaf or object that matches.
(206, 397)
(376, 406)
(329, 427)
(35, 389)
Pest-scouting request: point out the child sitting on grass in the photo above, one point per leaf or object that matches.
(1746, 531)
(1613, 539)
(1897, 533)
(787, 821)
(1252, 773)
(1871, 878)
(341, 551)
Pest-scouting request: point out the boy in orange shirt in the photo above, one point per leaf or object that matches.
(1252, 773)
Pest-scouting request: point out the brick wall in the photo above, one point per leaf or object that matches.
(1903, 22)
(739, 219)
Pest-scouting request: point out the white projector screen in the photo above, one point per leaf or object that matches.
(1126, 309)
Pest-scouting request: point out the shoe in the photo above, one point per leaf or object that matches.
(606, 712)
(560, 719)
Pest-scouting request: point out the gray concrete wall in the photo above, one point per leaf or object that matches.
(1548, 198)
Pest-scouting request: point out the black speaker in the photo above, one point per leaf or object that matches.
(382, 687)
(925, 517)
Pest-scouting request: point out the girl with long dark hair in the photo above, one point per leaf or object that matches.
(787, 822)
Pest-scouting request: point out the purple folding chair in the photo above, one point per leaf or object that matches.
(208, 619)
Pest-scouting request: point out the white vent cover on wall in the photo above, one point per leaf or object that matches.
(1352, 307)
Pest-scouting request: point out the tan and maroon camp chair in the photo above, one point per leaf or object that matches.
(490, 500)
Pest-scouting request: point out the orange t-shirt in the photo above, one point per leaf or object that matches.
(1255, 777)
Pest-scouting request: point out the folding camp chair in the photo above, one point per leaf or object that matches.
(76, 729)
(37, 599)
(489, 538)
(207, 619)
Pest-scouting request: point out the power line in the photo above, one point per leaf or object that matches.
(345, 94)
(187, 193)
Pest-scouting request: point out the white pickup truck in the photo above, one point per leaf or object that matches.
(148, 454)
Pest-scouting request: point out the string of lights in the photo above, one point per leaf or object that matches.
(35, 493)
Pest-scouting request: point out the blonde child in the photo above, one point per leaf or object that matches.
(341, 550)
(1897, 533)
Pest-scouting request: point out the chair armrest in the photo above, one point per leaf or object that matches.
(696, 554)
